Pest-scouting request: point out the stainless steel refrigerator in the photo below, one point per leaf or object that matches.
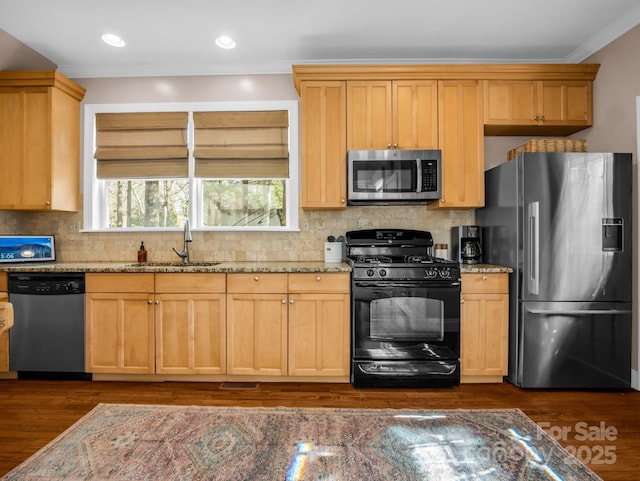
(562, 221)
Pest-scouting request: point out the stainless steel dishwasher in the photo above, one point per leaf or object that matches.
(47, 339)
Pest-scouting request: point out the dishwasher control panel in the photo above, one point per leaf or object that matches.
(47, 283)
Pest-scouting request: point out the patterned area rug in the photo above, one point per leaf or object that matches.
(118, 442)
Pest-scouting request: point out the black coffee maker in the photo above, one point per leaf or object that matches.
(466, 244)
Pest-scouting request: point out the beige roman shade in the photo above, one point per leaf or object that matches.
(253, 144)
(141, 145)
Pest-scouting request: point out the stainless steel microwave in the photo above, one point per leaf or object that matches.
(393, 176)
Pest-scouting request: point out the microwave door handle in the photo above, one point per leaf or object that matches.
(419, 175)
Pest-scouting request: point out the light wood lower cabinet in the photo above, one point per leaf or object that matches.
(257, 324)
(190, 323)
(484, 325)
(319, 319)
(119, 323)
(266, 325)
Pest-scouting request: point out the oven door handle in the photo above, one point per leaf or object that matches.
(407, 284)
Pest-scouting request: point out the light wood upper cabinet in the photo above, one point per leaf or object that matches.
(389, 114)
(546, 107)
(484, 327)
(323, 145)
(39, 141)
(462, 144)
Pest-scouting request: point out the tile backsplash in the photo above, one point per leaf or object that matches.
(73, 245)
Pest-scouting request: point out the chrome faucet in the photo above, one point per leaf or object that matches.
(184, 254)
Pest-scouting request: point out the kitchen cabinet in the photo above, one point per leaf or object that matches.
(319, 325)
(484, 327)
(190, 323)
(323, 145)
(120, 323)
(545, 107)
(257, 324)
(4, 337)
(39, 141)
(462, 144)
(392, 114)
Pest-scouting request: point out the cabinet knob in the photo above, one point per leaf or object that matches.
(256, 278)
(342, 201)
(484, 278)
(290, 301)
(284, 301)
(461, 301)
(395, 146)
(157, 302)
(149, 301)
(388, 146)
(318, 278)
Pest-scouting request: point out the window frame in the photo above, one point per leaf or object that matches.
(95, 209)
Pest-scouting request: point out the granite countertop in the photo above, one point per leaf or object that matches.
(223, 267)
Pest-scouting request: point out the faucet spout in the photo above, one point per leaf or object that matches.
(184, 254)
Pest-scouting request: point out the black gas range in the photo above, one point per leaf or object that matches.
(405, 310)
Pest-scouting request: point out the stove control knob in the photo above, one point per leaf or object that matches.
(382, 273)
(445, 273)
(371, 273)
(431, 273)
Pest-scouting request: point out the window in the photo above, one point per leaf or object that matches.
(223, 166)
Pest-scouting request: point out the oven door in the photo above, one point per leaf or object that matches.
(394, 320)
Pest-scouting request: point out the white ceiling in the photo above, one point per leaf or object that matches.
(176, 37)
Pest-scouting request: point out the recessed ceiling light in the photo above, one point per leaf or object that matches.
(225, 42)
(113, 40)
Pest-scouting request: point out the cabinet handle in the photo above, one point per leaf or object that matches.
(318, 278)
(461, 301)
(342, 201)
(388, 146)
(256, 278)
(290, 301)
(395, 146)
(284, 301)
(157, 302)
(149, 301)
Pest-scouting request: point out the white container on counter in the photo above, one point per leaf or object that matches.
(333, 252)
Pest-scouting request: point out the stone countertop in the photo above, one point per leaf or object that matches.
(484, 269)
(221, 267)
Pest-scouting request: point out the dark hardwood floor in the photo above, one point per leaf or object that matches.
(33, 412)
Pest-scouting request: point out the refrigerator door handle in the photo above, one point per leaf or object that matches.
(556, 312)
(533, 216)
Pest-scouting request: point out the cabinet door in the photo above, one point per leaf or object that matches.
(415, 114)
(369, 115)
(119, 333)
(509, 102)
(319, 334)
(257, 334)
(190, 334)
(25, 149)
(565, 102)
(323, 143)
(482, 335)
(462, 143)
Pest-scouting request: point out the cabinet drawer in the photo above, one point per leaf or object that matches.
(119, 282)
(481, 283)
(201, 283)
(319, 282)
(3, 281)
(257, 282)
